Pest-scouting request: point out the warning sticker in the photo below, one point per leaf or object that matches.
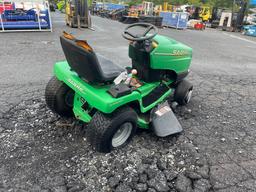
(163, 110)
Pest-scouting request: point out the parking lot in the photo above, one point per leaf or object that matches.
(216, 152)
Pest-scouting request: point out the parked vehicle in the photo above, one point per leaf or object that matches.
(114, 101)
(249, 30)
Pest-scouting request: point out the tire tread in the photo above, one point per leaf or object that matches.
(101, 123)
(54, 89)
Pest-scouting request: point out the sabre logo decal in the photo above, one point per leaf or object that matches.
(175, 53)
(75, 85)
(180, 52)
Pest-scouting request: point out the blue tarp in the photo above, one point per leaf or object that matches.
(110, 6)
(253, 2)
(24, 21)
(250, 30)
(174, 19)
(12, 15)
(24, 25)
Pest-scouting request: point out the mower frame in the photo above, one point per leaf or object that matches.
(88, 97)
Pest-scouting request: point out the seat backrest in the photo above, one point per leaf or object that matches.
(83, 61)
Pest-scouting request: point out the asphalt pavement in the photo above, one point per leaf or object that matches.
(216, 152)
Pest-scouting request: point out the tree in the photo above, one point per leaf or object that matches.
(195, 2)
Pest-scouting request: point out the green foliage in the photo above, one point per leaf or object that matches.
(61, 5)
(131, 3)
(213, 3)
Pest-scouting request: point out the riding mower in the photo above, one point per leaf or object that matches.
(113, 101)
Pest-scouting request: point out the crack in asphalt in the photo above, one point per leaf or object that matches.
(186, 151)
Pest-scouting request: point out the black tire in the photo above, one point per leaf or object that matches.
(181, 94)
(59, 97)
(73, 23)
(102, 128)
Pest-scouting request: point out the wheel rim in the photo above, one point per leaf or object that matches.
(122, 134)
(188, 96)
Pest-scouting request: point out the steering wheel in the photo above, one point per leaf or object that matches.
(140, 37)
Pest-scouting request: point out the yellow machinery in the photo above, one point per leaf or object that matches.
(205, 13)
(167, 7)
(77, 14)
(146, 8)
(158, 9)
(133, 13)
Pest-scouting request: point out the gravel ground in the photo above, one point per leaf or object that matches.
(216, 152)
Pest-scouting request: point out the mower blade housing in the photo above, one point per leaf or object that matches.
(165, 122)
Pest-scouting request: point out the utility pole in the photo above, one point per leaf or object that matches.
(232, 16)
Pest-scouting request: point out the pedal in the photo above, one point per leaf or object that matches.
(164, 121)
(119, 90)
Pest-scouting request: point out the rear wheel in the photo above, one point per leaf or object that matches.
(183, 92)
(59, 97)
(107, 132)
(73, 23)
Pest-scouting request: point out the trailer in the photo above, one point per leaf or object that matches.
(19, 15)
(233, 21)
(249, 30)
(177, 20)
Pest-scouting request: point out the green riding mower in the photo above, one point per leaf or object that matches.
(114, 101)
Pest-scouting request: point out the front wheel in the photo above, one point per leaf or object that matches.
(107, 132)
(59, 97)
(183, 92)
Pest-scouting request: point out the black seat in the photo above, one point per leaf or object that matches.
(93, 68)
